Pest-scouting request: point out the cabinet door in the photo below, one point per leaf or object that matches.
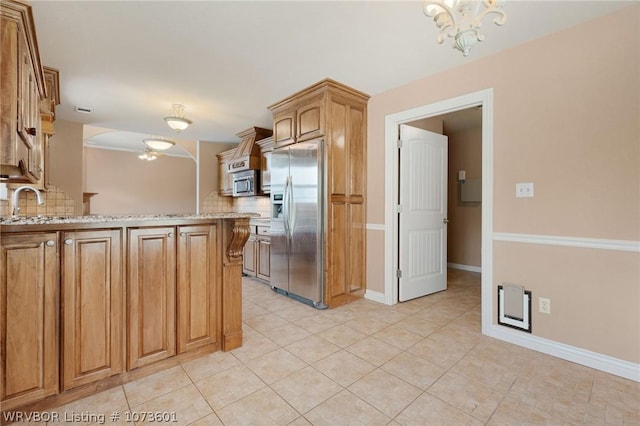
(225, 180)
(13, 149)
(93, 306)
(28, 324)
(265, 182)
(310, 121)
(249, 257)
(152, 289)
(199, 292)
(264, 259)
(31, 121)
(284, 128)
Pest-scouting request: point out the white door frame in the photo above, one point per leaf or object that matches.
(392, 166)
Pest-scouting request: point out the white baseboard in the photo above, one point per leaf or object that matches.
(376, 296)
(464, 267)
(601, 362)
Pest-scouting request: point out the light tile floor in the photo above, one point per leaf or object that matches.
(422, 362)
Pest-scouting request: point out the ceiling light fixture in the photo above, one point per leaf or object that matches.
(148, 155)
(177, 121)
(158, 144)
(461, 19)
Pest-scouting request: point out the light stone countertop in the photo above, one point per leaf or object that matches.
(53, 220)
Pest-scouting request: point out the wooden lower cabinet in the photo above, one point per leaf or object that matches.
(257, 254)
(263, 263)
(29, 320)
(151, 264)
(249, 256)
(198, 288)
(92, 306)
(174, 293)
(83, 309)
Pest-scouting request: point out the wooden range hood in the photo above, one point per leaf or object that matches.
(247, 155)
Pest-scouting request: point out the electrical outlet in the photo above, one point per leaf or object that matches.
(544, 305)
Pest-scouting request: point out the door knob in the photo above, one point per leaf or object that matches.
(51, 243)
(68, 241)
(445, 220)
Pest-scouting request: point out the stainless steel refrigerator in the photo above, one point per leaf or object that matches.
(297, 221)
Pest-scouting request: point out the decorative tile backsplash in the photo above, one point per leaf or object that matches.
(56, 203)
(216, 203)
(260, 205)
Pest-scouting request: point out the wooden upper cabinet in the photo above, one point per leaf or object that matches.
(198, 287)
(22, 87)
(266, 149)
(310, 121)
(93, 316)
(151, 263)
(225, 180)
(284, 128)
(29, 277)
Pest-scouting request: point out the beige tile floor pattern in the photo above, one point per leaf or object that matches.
(422, 362)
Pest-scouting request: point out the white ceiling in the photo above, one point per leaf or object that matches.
(226, 61)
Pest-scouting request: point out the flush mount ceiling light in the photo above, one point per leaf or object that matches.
(158, 144)
(148, 155)
(177, 121)
(461, 19)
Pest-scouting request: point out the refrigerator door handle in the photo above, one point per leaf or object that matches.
(292, 206)
(285, 209)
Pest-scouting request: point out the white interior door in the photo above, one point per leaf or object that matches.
(422, 255)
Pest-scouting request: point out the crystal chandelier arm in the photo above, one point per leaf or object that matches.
(501, 19)
(443, 17)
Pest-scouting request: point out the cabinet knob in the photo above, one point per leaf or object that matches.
(51, 243)
(68, 241)
(183, 234)
(170, 234)
(31, 131)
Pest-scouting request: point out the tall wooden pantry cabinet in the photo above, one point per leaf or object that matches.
(337, 114)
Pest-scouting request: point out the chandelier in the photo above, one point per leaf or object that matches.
(158, 144)
(177, 121)
(461, 19)
(148, 155)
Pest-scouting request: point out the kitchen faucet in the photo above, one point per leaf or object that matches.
(17, 191)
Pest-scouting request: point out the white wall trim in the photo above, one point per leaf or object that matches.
(464, 267)
(375, 227)
(376, 296)
(601, 362)
(552, 240)
(392, 121)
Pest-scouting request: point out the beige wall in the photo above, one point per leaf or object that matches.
(209, 166)
(464, 231)
(566, 117)
(133, 186)
(65, 161)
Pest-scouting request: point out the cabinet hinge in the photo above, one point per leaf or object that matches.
(399, 143)
(399, 273)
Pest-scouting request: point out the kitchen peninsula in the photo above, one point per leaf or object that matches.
(95, 301)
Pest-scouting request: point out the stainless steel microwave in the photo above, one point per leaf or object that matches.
(246, 184)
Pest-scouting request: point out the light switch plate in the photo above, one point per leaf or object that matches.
(524, 190)
(3, 191)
